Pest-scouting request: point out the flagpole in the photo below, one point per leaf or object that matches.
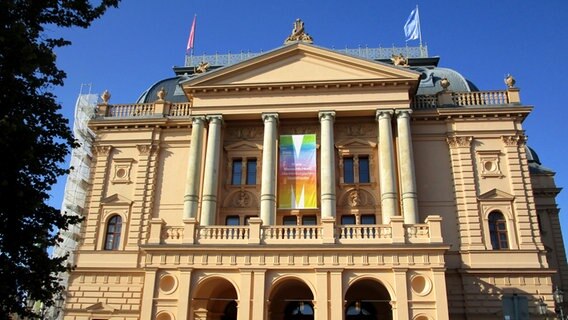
(419, 27)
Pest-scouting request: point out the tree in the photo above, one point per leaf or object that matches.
(34, 140)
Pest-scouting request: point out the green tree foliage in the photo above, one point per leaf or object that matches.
(34, 140)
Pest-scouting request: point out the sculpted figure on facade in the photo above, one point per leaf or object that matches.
(299, 34)
(399, 60)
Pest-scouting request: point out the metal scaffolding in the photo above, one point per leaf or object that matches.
(77, 183)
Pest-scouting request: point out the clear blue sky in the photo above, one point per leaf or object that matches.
(133, 46)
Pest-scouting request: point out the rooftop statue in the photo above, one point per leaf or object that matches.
(202, 67)
(298, 33)
(399, 60)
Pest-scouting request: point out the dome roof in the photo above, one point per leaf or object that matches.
(431, 76)
(174, 92)
(534, 162)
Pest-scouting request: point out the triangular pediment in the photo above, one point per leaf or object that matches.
(355, 143)
(496, 194)
(100, 307)
(116, 199)
(301, 64)
(243, 146)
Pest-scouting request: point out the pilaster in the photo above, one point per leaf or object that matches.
(258, 295)
(184, 298)
(148, 294)
(336, 308)
(389, 194)
(328, 197)
(99, 178)
(211, 176)
(144, 186)
(521, 187)
(441, 292)
(268, 180)
(401, 294)
(322, 298)
(470, 224)
(245, 296)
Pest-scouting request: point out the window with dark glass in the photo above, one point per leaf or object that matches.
(309, 220)
(289, 221)
(364, 176)
(368, 219)
(498, 231)
(251, 171)
(348, 170)
(247, 219)
(232, 221)
(347, 219)
(237, 174)
(113, 230)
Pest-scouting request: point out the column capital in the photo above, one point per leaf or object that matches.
(324, 115)
(268, 116)
(383, 114)
(197, 119)
(403, 113)
(215, 117)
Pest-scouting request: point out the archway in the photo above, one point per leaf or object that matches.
(291, 299)
(215, 299)
(367, 299)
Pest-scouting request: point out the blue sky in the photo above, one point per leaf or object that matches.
(133, 46)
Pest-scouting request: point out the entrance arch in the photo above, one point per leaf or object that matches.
(215, 299)
(367, 299)
(291, 299)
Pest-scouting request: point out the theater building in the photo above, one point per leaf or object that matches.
(308, 183)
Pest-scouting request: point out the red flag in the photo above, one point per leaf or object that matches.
(191, 35)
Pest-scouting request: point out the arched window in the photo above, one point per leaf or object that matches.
(113, 229)
(498, 231)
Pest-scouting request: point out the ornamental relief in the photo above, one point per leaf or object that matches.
(245, 133)
(357, 130)
(459, 142)
(357, 198)
(147, 149)
(513, 141)
(241, 199)
(102, 150)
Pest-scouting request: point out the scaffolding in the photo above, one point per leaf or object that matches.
(77, 184)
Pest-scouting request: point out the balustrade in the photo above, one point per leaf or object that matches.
(395, 232)
(131, 110)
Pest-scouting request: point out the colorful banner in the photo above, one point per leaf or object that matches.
(297, 172)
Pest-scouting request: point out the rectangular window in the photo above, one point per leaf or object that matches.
(237, 172)
(289, 221)
(348, 173)
(368, 219)
(247, 219)
(251, 171)
(348, 219)
(232, 221)
(364, 176)
(309, 220)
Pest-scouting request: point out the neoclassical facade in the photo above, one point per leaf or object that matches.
(305, 183)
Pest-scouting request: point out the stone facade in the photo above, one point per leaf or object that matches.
(422, 212)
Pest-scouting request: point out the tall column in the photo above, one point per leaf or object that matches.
(406, 165)
(389, 197)
(191, 198)
(268, 181)
(211, 179)
(327, 165)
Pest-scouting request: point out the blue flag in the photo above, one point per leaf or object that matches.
(412, 26)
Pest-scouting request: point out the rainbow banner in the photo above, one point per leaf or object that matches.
(297, 172)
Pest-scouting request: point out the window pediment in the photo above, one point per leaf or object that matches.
(496, 195)
(116, 200)
(243, 146)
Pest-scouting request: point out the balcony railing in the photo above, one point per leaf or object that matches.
(420, 102)
(325, 233)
